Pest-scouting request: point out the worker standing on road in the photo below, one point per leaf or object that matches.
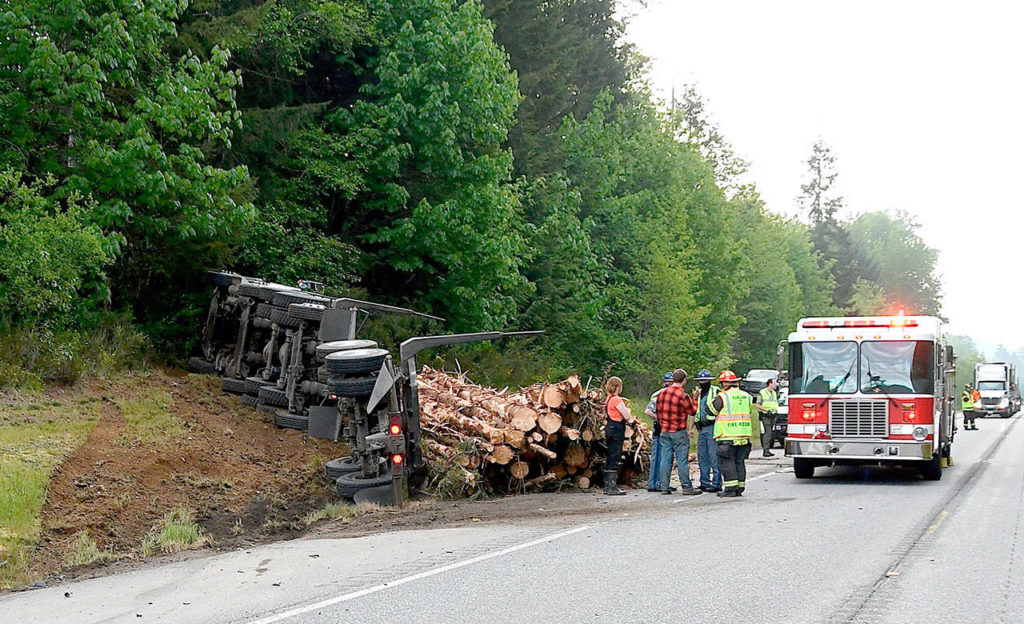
(618, 416)
(653, 484)
(733, 430)
(967, 408)
(674, 408)
(704, 422)
(767, 405)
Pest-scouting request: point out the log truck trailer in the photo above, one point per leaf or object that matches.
(870, 391)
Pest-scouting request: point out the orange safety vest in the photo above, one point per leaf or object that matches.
(612, 411)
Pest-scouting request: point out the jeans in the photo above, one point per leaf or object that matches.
(675, 444)
(614, 435)
(734, 467)
(653, 481)
(707, 458)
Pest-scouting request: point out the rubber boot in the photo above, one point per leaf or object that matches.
(611, 487)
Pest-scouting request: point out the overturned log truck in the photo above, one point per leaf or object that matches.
(294, 353)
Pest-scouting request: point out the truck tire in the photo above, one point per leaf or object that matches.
(288, 420)
(249, 400)
(223, 278)
(322, 375)
(282, 318)
(341, 466)
(232, 385)
(931, 470)
(349, 484)
(271, 395)
(250, 289)
(803, 468)
(1006, 414)
(326, 348)
(285, 299)
(355, 361)
(269, 290)
(352, 387)
(306, 311)
(200, 366)
(253, 384)
(267, 409)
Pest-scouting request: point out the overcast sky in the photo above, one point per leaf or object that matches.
(920, 101)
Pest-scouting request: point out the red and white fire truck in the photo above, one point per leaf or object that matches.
(870, 390)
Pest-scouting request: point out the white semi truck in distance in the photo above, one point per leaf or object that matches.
(997, 384)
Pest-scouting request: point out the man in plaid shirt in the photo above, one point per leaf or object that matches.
(674, 408)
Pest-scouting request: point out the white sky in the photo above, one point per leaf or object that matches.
(922, 103)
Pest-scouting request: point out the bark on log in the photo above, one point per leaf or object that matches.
(541, 480)
(540, 450)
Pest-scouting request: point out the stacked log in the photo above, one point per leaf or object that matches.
(549, 436)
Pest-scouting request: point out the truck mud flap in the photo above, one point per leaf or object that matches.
(383, 495)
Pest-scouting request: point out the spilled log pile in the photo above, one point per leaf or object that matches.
(478, 440)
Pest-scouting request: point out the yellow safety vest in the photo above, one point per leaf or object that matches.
(733, 420)
(966, 401)
(769, 400)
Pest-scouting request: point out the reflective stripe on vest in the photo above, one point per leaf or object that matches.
(769, 400)
(707, 416)
(733, 422)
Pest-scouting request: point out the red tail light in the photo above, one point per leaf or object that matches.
(334, 397)
(396, 427)
(397, 460)
(396, 430)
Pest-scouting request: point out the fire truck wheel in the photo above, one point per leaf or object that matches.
(232, 385)
(201, 366)
(355, 361)
(803, 468)
(341, 466)
(326, 348)
(931, 470)
(353, 387)
(271, 395)
(349, 484)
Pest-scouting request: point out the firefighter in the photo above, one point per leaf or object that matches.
(967, 407)
(733, 431)
(767, 405)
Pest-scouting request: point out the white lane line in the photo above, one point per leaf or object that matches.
(415, 577)
(757, 478)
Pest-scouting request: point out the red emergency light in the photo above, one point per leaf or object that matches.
(826, 324)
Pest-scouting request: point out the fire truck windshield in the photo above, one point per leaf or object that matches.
(823, 367)
(897, 366)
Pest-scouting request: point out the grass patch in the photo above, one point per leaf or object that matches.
(339, 511)
(176, 531)
(84, 551)
(149, 417)
(34, 439)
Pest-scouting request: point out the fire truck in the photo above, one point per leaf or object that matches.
(870, 391)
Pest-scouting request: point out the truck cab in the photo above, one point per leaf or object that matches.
(870, 390)
(996, 383)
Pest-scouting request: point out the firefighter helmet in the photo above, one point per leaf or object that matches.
(704, 375)
(727, 376)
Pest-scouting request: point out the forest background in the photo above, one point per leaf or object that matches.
(500, 163)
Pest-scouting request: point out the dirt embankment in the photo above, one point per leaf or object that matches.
(242, 478)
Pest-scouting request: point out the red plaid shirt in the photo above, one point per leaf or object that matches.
(674, 406)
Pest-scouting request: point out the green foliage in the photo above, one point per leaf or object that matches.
(967, 355)
(176, 531)
(51, 257)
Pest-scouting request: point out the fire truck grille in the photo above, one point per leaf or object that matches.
(858, 419)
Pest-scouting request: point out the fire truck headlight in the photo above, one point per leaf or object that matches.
(920, 433)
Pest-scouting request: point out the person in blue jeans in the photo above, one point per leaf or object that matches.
(675, 409)
(653, 482)
(707, 448)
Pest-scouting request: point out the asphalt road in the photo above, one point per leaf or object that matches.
(850, 545)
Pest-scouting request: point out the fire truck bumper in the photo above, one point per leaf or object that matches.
(866, 450)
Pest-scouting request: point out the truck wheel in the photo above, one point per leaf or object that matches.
(271, 395)
(931, 470)
(1006, 414)
(326, 348)
(250, 289)
(306, 311)
(223, 278)
(232, 385)
(267, 409)
(355, 361)
(341, 466)
(249, 400)
(349, 484)
(200, 366)
(288, 420)
(253, 385)
(353, 387)
(803, 468)
(282, 318)
(285, 299)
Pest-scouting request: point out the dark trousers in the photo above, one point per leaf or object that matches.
(614, 435)
(768, 422)
(732, 458)
(969, 420)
